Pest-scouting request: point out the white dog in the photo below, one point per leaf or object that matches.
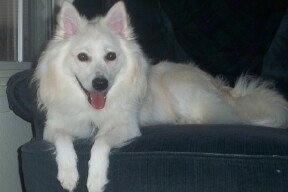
(94, 76)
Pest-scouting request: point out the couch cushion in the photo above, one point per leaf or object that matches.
(210, 158)
(275, 65)
(225, 37)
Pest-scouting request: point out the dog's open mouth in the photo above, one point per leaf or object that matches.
(96, 98)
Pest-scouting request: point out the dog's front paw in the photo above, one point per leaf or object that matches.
(96, 182)
(68, 177)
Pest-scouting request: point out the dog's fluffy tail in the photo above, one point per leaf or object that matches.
(258, 102)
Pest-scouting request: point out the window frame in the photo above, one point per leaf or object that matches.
(19, 62)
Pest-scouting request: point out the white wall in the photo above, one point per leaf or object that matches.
(14, 132)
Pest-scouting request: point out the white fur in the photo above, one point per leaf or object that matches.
(138, 94)
(98, 165)
(184, 94)
(67, 172)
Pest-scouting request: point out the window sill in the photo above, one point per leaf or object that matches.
(8, 65)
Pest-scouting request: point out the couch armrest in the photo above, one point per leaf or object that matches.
(19, 94)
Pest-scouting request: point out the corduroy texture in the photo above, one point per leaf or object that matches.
(216, 158)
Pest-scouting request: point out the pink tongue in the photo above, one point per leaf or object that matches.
(98, 100)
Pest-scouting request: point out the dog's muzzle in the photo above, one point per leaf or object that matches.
(96, 98)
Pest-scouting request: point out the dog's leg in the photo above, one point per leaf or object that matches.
(98, 165)
(66, 159)
(99, 160)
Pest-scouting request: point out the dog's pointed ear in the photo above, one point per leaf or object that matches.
(117, 20)
(69, 20)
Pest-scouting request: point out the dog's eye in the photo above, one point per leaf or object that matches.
(110, 56)
(83, 57)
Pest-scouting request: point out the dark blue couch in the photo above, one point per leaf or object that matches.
(223, 37)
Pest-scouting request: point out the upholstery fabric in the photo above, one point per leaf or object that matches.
(225, 37)
(216, 158)
(19, 94)
(275, 65)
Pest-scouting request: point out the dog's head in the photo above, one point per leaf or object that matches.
(96, 55)
(91, 54)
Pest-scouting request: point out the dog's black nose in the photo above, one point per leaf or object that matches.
(100, 83)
